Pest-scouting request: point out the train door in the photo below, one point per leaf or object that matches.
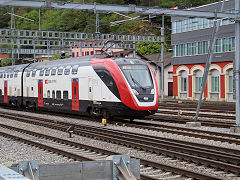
(5, 92)
(40, 93)
(75, 94)
(90, 89)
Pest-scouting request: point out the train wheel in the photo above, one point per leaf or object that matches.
(91, 112)
(106, 114)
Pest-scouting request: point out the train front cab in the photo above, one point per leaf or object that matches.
(138, 97)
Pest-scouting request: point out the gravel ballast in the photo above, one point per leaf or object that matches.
(14, 152)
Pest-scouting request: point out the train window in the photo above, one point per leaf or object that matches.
(65, 95)
(75, 69)
(53, 94)
(48, 94)
(41, 72)
(7, 75)
(15, 74)
(40, 90)
(58, 94)
(4, 75)
(1, 75)
(53, 72)
(33, 73)
(11, 75)
(47, 72)
(60, 71)
(108, 79)
(75, 93)
(28, 74)
(67, 70)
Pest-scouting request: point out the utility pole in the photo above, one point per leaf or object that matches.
(39, 19)
(237, 64)
(97, 23)
(12, 27)
(209, 58)
(162, 55)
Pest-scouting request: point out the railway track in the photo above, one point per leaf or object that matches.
(151, 144)
(183, 120)
(80, 152)
(208, 104)
(151, 125)
(210, 107)
(197, 133)
(191, 108)
(205, 115)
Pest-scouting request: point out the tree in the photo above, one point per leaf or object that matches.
(22, 23)
(5, 18)
(6, 62)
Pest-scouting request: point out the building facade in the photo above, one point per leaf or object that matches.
(168, 72)
(190, 42)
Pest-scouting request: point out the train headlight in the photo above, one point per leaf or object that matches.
(135, 92)
(152, 91)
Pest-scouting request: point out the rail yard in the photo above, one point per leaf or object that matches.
(122, 90)
(167, 150)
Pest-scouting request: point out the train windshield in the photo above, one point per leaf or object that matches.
(137, 76)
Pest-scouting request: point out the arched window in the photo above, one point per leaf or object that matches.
(215, 81)
(230, 78)
(184, 81)
(199, 77)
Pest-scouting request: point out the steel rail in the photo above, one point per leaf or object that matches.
(217, 136)
(182, 120)
(130, 142)
(107, 152)
(200, 115)
(204, 106)
(161, 106)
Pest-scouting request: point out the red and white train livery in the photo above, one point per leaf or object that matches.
(108, 87)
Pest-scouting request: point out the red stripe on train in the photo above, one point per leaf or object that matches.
(124, 91)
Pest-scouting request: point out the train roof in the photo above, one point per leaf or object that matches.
(122, 61)
(14, 68)
(80, 61)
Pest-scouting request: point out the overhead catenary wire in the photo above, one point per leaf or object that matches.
(209, 58)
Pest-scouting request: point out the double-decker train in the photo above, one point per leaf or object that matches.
(95, 85)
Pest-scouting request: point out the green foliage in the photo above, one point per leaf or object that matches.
(59, 57)
(5, 18)
(60, 20)
(149, 48)
(22, 23)
(5, 62)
